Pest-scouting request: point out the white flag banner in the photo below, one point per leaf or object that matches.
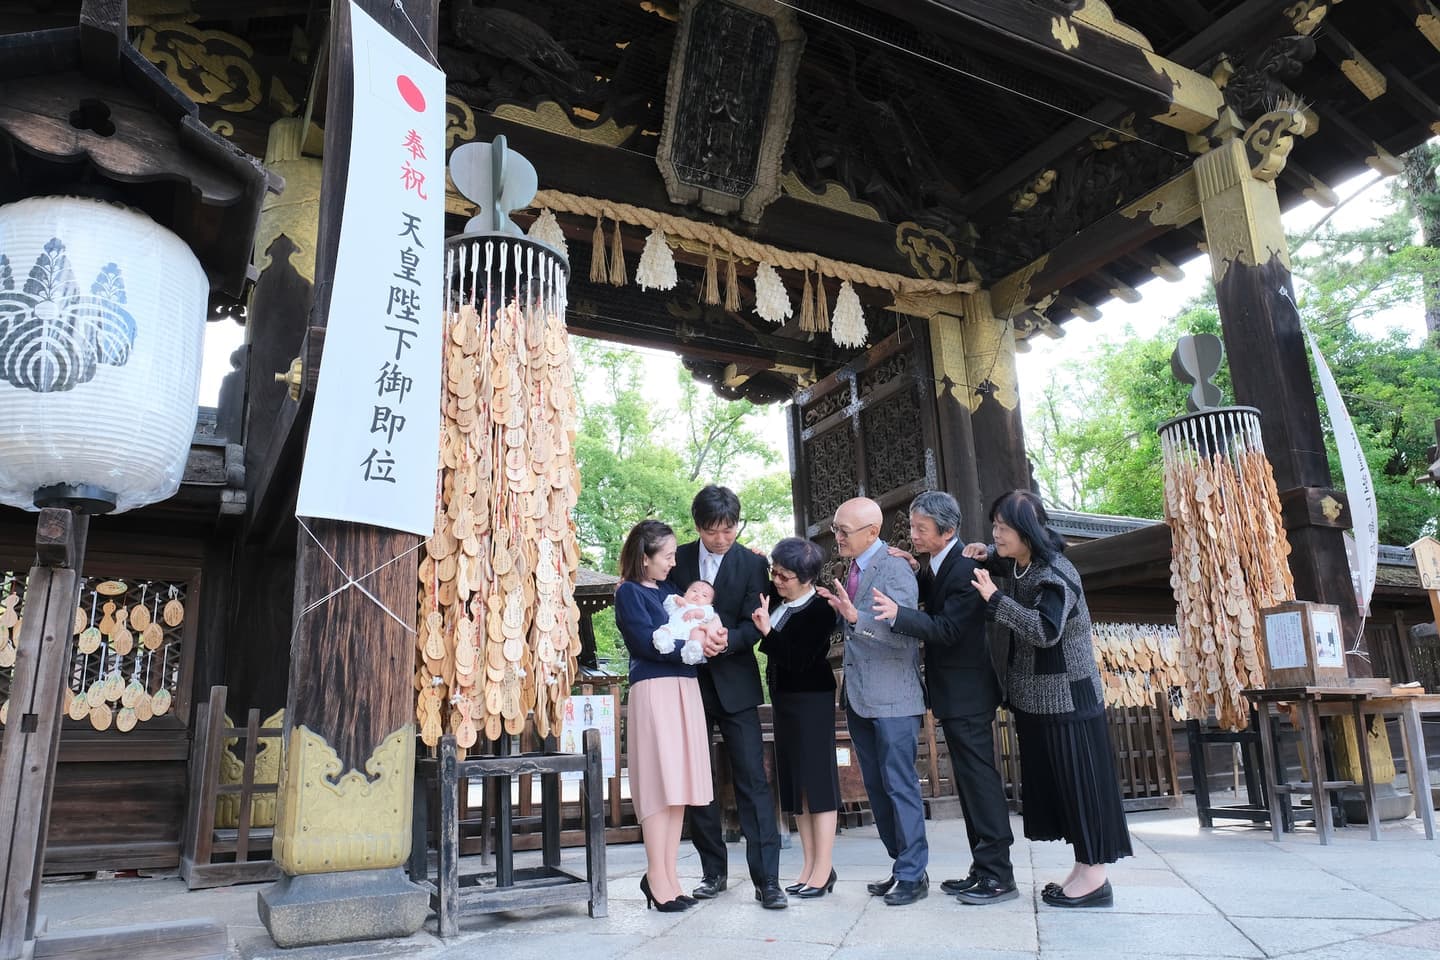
(1359, 488)
(374, 441)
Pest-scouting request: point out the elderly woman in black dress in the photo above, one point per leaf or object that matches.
(1053, 689)
(795, 628)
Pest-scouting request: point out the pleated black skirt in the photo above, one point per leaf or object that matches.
(1068, 785)
(805, 773)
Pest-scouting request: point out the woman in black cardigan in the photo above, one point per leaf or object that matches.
(795, 628)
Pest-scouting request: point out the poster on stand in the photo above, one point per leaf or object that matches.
(373, 447)
(582, 713)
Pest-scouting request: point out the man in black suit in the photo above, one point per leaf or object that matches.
(962, 689)
(730, 689)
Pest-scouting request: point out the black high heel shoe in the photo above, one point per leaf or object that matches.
(669, 906)
(796, 887)
(812, 893)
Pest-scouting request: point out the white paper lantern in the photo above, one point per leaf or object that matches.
(102, 324)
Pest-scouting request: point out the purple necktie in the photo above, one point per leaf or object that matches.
(852, 580)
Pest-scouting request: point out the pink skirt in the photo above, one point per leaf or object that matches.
(668, 745)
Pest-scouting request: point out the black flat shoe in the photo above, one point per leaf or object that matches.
(1101, 896)
(881, 887)
(953, 887)
(710, 888)
(988, 890)
(908, 891)
(814, 893)
(669, 906)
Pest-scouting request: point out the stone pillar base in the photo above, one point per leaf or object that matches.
(355, 905)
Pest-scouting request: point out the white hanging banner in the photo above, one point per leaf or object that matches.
(1359, 488)
(374, 441)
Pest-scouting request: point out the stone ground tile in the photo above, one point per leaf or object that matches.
(261, 947)
(1362, 950)
(953, 952)
(1275, 898)
(593, 946)
(694, 948)
(1109, 933)
(1424, 936)
(1140, 898)
(1126, 874)
(1281, 935)
(624, 916)
(823, 921)
(1422, 900)
(940, 923)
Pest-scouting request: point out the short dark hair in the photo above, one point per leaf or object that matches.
(715, 505)
(804, 558)
(1024, 513)
(640, 545)
(940, 507)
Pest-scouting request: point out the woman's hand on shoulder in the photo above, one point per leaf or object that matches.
(976, 551)
(983, 584)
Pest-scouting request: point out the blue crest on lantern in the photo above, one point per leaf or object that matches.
(52, 336)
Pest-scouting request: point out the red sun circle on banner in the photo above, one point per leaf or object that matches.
(410, 93)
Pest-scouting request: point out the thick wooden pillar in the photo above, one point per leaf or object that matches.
(994, 400)
(959, 472)
(1267, 355)
(344, 809)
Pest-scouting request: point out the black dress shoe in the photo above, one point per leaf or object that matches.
(988, 890)
(881, 887)
(908, 891)
(795, 887)
(1101, 896)
(668, 906)
(770, 895)
(710, 888)
(953, 887)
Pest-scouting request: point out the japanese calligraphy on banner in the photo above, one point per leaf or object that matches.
(374, 438)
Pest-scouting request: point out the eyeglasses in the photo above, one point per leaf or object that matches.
(782, 576)
(844, 534)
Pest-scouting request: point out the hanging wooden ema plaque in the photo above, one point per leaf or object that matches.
(1304, 645)
(1427, 564)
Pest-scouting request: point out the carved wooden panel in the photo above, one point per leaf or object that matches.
(869, 430)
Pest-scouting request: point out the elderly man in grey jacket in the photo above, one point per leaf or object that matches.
(884, 696)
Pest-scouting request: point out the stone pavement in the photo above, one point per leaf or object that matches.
(1188, 892)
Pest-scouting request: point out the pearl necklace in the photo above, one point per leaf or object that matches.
(1015, 569)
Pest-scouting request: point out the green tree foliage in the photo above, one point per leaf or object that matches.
(640, 458)
(1094, 443)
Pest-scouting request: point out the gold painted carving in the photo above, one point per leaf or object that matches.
(1195, 100)
(1063, 30)
(1306, 15)
(1363, 76)
(296, 212)
(1331, 508)
(1268, 141)
(834, 197)
(1242, 215)
(947, 353)
(1013, 294)
(1171, 204)
(267, 770)
(332, 820)
(932, 254)
(209, 66)
(459, 122)
(989, 343)
(553, 118)
(1097, 14)
(1429, 26)
(1029, 195)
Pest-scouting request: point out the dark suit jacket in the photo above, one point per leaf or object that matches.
(729, 682)
(959, 675)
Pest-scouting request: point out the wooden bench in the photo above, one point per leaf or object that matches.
(212, 856)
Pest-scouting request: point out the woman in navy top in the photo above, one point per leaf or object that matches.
(667, 742)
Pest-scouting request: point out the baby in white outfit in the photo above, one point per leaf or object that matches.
(692, 621)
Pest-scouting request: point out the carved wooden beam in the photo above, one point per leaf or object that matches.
(1424, 16)
(1357, 68)
(1413, 99)
(1088, 47)
(1173, 203)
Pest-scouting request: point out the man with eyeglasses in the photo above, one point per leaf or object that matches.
(883, 695)
(962, 687)
(730, 689)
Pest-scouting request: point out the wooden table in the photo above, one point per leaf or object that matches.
(1417, 766)
(1308, 702)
